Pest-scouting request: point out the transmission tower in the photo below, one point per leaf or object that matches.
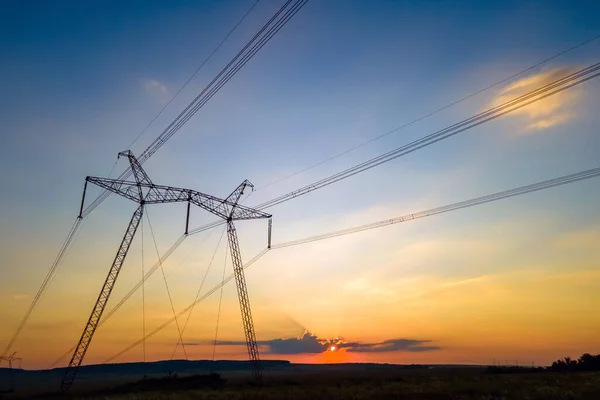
(11, 380)
(240, 280)
(144, 192)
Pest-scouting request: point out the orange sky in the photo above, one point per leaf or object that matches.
(516, 280)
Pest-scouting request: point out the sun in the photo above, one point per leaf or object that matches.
(332, 348)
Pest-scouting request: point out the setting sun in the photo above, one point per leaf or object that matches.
(332, 348)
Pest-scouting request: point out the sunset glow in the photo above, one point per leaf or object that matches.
(326, 106)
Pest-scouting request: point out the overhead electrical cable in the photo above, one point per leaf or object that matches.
(189, 315)
(185, 310)
(219, 312)
(141, 282)
(207, 59)
(507, 107)
(135, 288)
(162, 260)
(143, 295)
(563, 180)
(58, 261)
(42, 288)
(262, 37)
(519, 102)
(431, 113)
(166, 285)
(68, 250)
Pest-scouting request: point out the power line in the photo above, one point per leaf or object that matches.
(156, 266)
(519, 102)
(143, 295)
(194, 74)
(166, 286)
(219, 309)
(182, 312)
(135, 288)
(563, 180)
(57, 261)
(262, 37)
(429, 114)
(187, 320)
(507, 107)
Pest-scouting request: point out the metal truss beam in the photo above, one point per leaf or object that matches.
(158, 194)
(109, 283)
(234, 197)
(242, 290)
(138, 172)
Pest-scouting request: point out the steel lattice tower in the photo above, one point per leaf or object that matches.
(144, 192)
(240, 280)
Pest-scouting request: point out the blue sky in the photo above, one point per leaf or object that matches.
(81, 80)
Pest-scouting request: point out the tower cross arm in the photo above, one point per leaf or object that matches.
(237, 211)
(157, 194)
(242, 212)
(126, 189)
(223, 208)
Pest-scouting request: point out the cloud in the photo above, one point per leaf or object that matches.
(154, 86)
(585, 239)
(548, 112)
(308, 343)
(462, 282)
(312, 344)
(19, 296)
(365, 287)
(391, 345)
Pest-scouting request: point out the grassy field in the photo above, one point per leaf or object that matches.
(442, 384)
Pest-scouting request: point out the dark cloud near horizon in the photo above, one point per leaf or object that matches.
(307, 344)
(311, 344)
(390, 345)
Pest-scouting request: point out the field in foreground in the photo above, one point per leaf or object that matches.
(442, 384)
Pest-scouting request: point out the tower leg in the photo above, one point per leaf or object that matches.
(109, 283)
(240, 280)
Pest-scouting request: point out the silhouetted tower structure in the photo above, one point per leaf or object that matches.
(144, 192)
(11, 379)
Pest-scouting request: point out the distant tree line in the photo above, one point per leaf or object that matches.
(586, 362)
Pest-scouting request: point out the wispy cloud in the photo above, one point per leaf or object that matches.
(19, 296)
(154, 86)
(585, 239)
(548, 112)
(364, 287)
